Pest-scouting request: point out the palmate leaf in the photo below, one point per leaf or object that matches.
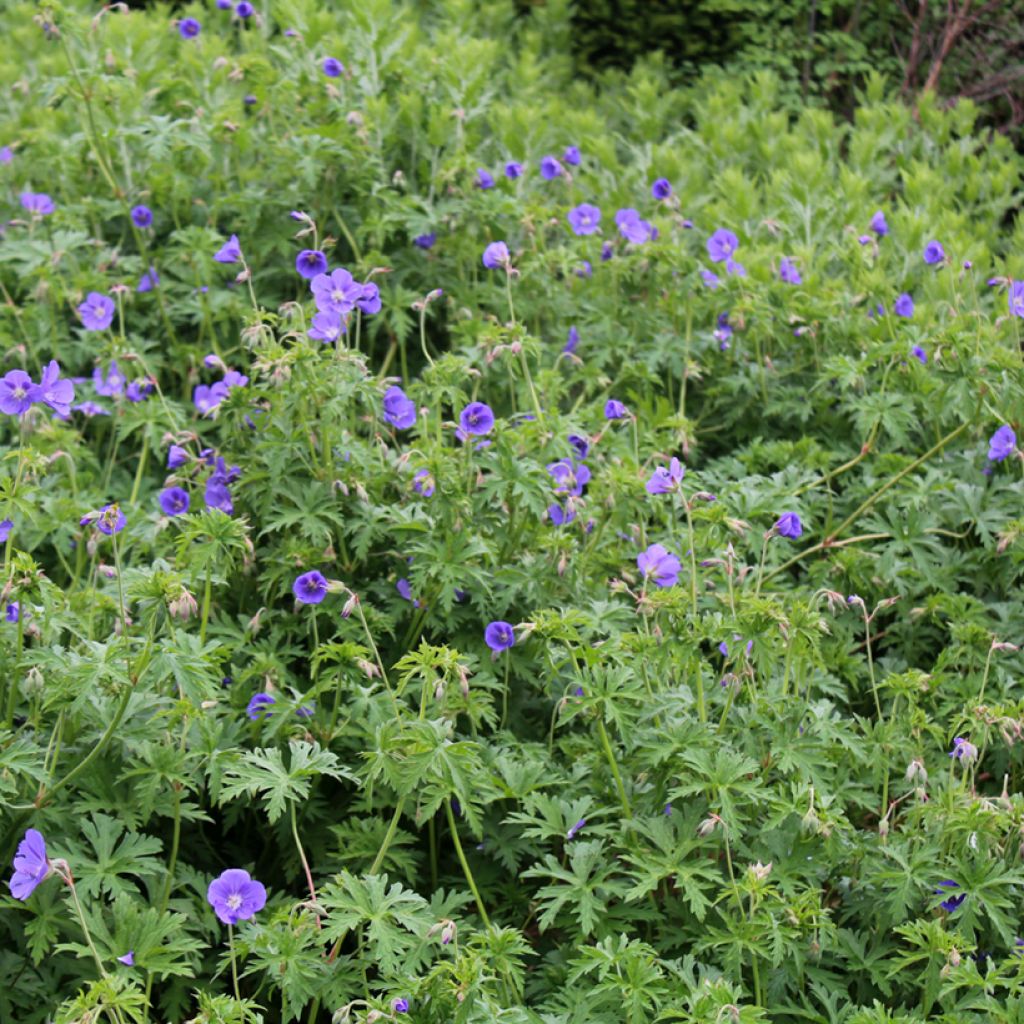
(263, 772)
(395, 920)
(115, 854)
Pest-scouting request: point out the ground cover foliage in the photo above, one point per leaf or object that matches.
(615, 621)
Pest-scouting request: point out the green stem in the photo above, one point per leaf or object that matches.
(207, 594)
(465, 864)
(302, 855)
(388, 837)
(234, 966)
(140, 469)
(610, 755)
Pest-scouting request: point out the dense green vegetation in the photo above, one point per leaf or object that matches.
(609, 614)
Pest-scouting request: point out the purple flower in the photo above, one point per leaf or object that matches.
(723, 649)
(788, 271)
(904, 305)
(561, 516)
(229, 252)
(571, 155)
(661, 188)
(607, 251)
(1015, 295)
(721, 245)
(13, 612)
(177, 456)
(327, 327)
(96, 312)
(476, 418)
(709, 278)
(572, 340)
(56, 393)
(109, 519)
(789, 525)
(399, 409)
(570, 477)
(735, 268)
(615, 410)
(584, 219)
(5, 530)
(949, 905)
(235, 896)
(878, 224)
(499, 636)
(400, 1005)
(423, 483)
(139, 390)
(234, 379)
(425, 241)
(579, 444)
(216, 494)
(484, 178)
(659, 563)
(310, 587)
(108, 384)
(934, 253)
(513, 170)
(16, 390)
(332, 67)
(206, 398)
(311, 262)
(665, 480)
(550, 168)
(189, 29)
(31, 865)
(632, 228)
(90, 409)
(174, 501)
(963, 750)
(369, 299)
(404, 589)
(6, 154)
(496, 255)
(575, 829)
(336, 292)
(585, 269)
(919, 354)
(149, 280)
(38, 203)
(244, 9)
(142, 216)
(1000, 444)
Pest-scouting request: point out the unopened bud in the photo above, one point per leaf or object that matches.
(760, 871)
(916, 770)
(349, 606)
(707, 826)
(883, 827)
(367, 668)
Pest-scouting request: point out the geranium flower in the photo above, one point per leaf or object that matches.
(1001, 443)
(664, 480)
(721, 245)
(235, 896)
(661, 188)
(16, 389)
(399, 409)
(934, 253)
(332, 67)
(97, 311)
(584, 219)
(174, 501)
(550, 168)
(476, 418)
(229, 252)
(310, 263)
(904, 305)
(659, 564)
(496, 256)
(142, 216)
(310, 587)
(58, 394)
(31, 865)
(499, 636)
(789, 525)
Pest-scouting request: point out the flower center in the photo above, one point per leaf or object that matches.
(234, 901)
(19, 391)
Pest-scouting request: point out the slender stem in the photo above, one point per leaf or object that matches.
(504, 694)
(207, 593)
(85, 928)
(234, 966)
(693, 556)
(609, 753)
(140, 470)
(302, 857)
(465, 864)
(760, 568)
(984, 678)
(388, 837)
(871, 661)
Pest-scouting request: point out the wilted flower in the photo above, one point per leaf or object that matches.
(5, 530)
(710, 279)
(311, 262)
(920, 355)
(666, 479)
(235, 896)
(904, 305)
(659, 563)
(934, 253)
(128, 959)
(476, 418)
(399, 409)
(496, 255)
(332, 67)
(570, 477)
(31, 865)
(229, 252)
(878, 224)
(1001, 443)
(96, 312)
(721, 245)
(423, 483)
(561, 516)
(615, 410)
(789, 525)
(513, 170)
(580, 444)
(499, 636)
(400, 1005)
(176, 456)
(571, 155)
(310, 587)
(368, 299)
(484, 178)
(425, 241)
(149, 280)
(574, 830)
(174, 501)
(584, 219)
(109, 519)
